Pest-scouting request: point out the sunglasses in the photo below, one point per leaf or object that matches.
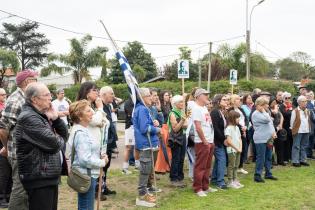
(287, 98)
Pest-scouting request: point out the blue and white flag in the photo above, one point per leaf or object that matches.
(129, 77)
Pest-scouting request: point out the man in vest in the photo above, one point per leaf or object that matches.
(300, 125)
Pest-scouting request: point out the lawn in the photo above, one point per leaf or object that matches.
(295, 189)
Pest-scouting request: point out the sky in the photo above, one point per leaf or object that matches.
(279, 27)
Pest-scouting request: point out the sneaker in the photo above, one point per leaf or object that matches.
(147, 201)
(241, 170)
(222, 187)
(237, 183)
(126, 171)
(259, 180)
(178, 184)
(304, 164)
(154, 190)
(109, 192)
(211, 190)
(201, 194)
(233, 185)
(271, 178)
(296, 165)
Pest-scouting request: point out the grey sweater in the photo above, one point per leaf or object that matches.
(263, 127)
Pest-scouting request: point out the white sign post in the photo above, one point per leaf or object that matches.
(183, 72)
(233, 78)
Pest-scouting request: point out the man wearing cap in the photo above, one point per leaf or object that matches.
(18, 199)
(204, 147)
(61, 105)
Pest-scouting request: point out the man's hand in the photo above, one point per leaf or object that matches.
(4, 152)
(156, 123)
(274, 135)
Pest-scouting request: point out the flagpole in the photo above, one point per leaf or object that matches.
(138, 92)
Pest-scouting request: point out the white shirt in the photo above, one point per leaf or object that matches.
(114, 115)
(242, 117)
(61, 106)
(304, 126)
(235, 134)
(202, 115)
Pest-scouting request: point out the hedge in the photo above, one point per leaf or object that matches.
(221, 86)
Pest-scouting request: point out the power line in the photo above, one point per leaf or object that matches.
(117, 40)
(271, 51)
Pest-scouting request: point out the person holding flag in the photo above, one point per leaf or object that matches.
(146, 140)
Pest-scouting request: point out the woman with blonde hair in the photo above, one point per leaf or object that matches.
(242, 125)
(85, 150)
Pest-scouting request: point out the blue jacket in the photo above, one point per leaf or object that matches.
(156, 115)
(143, 124)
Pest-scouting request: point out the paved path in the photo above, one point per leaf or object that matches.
(118, 160)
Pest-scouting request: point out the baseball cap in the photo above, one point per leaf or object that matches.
(200, 91)
(23, 75)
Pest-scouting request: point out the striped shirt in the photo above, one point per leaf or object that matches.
(9, 117)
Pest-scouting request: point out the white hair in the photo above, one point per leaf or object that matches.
(144, 92)
(106, 89)
(301, 98)
(2, 91)
(285, 95)
(176, 99)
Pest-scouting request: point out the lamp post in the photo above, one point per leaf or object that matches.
(248, 30)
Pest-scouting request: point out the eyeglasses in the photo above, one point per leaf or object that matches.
(287, 98)
(3, 94)
(32, 79)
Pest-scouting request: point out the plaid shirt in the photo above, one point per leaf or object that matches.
(9, 117)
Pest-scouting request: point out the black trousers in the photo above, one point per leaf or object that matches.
(244, 151)
(44, 198)
(288, 145)
(5, 178)
(280, 147)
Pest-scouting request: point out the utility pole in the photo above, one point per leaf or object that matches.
(209, 67)
(247, 55)
(199, 71)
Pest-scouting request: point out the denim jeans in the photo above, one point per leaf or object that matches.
(86, 200)
(263, 158)
(219, 166)
(177, 166)
(309, 151)
(191, 161)
(300, 144)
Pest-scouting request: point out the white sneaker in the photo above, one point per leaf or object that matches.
(233, 185)
(201, 194)
(126, 171)
(144, 203)
(211, 190)
(241, 170)
(237, 183)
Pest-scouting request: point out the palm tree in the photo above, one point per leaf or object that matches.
(78, 60)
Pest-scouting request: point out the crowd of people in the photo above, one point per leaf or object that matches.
(41, 140)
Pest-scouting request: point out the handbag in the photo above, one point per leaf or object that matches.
(76, 180)
(176, 137)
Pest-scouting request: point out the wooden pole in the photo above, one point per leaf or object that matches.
(99, 189)
(183, 86)
(232, 89)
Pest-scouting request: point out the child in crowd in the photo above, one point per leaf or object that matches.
(234, 148)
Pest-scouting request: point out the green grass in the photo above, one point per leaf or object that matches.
(295, 189)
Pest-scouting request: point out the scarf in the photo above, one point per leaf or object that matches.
(178, 114)
(288, 106)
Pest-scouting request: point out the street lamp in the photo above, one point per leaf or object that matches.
(248, 30)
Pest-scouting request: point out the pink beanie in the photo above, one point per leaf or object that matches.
(23, 75)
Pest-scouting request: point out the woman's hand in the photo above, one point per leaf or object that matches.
(105, 158)
(99, 103)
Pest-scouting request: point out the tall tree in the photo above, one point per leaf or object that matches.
(29, 45)
(78, 60)
(290, 69)
(8, 59)
(136, 55)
